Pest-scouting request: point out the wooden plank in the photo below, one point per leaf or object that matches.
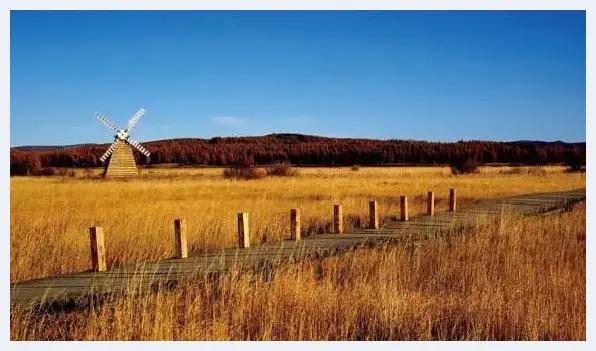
(403, 206)
(452, 200)
(243, 230)
(295, 224)
(430, 203)
(338, 219)
(373, 214)
(180, 247)
(98, 251)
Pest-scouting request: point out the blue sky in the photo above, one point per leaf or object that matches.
(441, 75)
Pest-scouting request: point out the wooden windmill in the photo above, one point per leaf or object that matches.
(122, 162)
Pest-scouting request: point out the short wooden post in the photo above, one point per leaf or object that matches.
(452, 195)
(295, 224)
(180, 247)
(403, 204)
(98, 249)
(373, 213)
(243, 230)
(338, 221)
(430, 203)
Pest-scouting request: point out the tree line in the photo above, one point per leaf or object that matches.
(300, 149)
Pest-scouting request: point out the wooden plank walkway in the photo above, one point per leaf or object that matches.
(144, 276)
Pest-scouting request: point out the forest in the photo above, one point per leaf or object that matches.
(307, 150)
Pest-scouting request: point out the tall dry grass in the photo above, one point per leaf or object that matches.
(50, 216)
(517, 279)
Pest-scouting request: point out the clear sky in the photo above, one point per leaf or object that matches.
(441, 76)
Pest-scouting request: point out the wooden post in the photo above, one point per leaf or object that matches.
(295, 224)
(180, 247)
(403, 204)
(452, 195)
(98, 249)
(373, 213)
(338, 221)
(430, 206)
(243, 230)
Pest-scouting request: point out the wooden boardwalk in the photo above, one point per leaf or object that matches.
(144, 276)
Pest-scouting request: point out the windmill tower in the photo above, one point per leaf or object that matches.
(122, 162)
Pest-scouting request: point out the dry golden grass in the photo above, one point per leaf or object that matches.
(50, 216)
(517, 279)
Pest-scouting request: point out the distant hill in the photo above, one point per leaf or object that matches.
(538, 142)
(300, 149)
(49, 147)
(286, 137)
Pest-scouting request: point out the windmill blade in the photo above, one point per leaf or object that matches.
(106, 122)
(138, 147)
(135, 118)
(108, 151)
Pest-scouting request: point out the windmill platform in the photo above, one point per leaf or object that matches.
(122, 162)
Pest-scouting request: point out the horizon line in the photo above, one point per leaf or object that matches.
(310, 135)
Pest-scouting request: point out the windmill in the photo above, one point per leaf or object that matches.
(122, 162)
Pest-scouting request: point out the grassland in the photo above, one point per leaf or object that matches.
(50, 216)
(518, 279)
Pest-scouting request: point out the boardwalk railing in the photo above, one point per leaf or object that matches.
(98, 256)
(183, 266)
